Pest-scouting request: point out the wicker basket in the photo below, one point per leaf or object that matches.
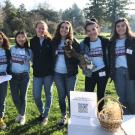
(113, 122)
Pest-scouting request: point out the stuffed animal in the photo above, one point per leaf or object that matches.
(85, 61)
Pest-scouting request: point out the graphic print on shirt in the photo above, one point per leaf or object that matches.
(120, 51)
(19, 57)
(96, 52)
(3, 58)
(60, 50)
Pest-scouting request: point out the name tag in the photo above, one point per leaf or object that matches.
(129, 51)
(22, 52)
(101, 74)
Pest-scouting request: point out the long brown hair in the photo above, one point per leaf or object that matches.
(5, 44)
(47, 34)
(129, 33)
(57, 36)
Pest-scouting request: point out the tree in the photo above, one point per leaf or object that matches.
(116, 9)
(47, 14)
(96, 9)
(51, 17)
(75, 16)
(1, 18)
(10, 14)
(21, 18)
(132, 22)
(106, 11)
(44, 5)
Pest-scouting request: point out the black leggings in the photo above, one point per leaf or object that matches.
(101, 81)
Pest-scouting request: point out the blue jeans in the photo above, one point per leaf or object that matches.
(125, 89)
(3, 93)
(64, 85)
(38, 83)
(19, 85)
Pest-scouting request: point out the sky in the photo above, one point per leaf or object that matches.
(56, 4)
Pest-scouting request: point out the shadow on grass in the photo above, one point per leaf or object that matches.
(42, 130)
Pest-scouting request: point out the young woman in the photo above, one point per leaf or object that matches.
(65, 66)
(95, 47)
(4, 64)
(42, 69)
(20, 67)
(122, 67)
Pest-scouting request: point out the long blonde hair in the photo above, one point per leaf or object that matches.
(46, 34)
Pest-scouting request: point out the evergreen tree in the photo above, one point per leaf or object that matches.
(96, 9)
(116, 9)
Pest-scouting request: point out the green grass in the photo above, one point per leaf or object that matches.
(32, 127)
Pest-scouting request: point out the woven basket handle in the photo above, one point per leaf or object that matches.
(112, 98)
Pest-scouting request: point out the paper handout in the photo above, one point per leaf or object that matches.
(5, 78)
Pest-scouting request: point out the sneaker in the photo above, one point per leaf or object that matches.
(22, 120)
(63, 121)
(44, 121)
(18, 118)
(2, 124)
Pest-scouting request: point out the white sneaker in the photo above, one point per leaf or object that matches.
(44, 121)
(22, 120)
(18, 118)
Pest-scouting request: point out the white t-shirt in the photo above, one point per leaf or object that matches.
(120, 54)
(60, 66)
(96, 54)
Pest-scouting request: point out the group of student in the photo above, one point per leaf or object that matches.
(114, 58)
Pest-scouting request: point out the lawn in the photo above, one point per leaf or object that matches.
(32, 127)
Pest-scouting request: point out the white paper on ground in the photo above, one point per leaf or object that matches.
(4, 78)
(129, 125)
(83, 107)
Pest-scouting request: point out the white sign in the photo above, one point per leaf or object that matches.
(83, 106)
(5, 78)
(129, 51)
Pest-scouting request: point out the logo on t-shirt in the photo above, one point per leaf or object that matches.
(3, 60)
(20, 59)
(120, 51)
(60, 51)
(96, 52)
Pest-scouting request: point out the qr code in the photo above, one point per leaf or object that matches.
(82, 108)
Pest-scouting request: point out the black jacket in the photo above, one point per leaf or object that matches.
(85, 48)
(8, 55)
(71, 63)
(129, 44)
(42, 57)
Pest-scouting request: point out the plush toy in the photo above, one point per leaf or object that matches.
(85, 61)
